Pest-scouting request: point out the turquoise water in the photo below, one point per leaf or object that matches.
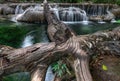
(17, 34)
(25, 34)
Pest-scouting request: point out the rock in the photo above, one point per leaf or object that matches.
(1, 10)
(107, 68)
(31, 15)
(109, 16)
(116, 12)
(6, 10)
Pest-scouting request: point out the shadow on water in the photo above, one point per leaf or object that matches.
(22, 34)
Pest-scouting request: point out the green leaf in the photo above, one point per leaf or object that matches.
(104, 67)
(118, 21)
(60, 73)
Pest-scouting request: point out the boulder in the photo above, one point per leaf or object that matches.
(6, 10)
(31, 15)
(116, 12)
(1, 10)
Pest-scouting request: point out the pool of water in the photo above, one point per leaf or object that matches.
(22, 34)
(19, 35)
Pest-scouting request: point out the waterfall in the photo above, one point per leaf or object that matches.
(18, 10)
(27, 41)
(94, 13)
(84, 15)
(95, 10)
(113, 21)
(38, 7)
(56, 11)
(73, 14)
(100, 10)
(70, 16)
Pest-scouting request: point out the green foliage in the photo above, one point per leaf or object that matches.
(11, 35)
(118, 2)
(68, 1)
(104, 1)
(60, 68)
(118, 21)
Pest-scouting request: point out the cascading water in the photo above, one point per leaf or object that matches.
(84, 15)
(38, 7)
(100, 10)
(70, 16)
(113, 21)
(18, 10)
(95, 12)
(56, 11)
(27, 41)
(73, 14)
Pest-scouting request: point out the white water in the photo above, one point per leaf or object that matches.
(69, 14)
(27, 41)
(113, 21)
(101, 22)
(56, 11)
(73, 14)
(49, 74)
(18, 10)
(38, 7)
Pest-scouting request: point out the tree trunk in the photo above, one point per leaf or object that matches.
(38, 57)
(39, 73)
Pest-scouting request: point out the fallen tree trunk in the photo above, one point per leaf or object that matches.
(27, 58)
(38, 57)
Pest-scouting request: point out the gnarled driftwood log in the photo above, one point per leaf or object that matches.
(38, 57)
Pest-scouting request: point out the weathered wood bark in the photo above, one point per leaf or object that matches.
(39, 73)
(56, 78)
(58, 32)
(36, 58)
